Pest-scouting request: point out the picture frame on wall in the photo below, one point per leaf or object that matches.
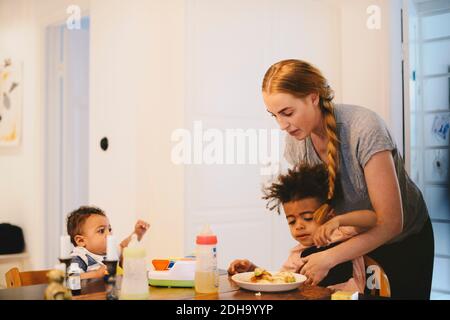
(10, 102)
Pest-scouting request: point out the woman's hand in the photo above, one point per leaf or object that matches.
(239, 266)
(317, 266)
(322, 236)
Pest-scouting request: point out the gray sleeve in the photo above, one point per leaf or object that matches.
(373, 137)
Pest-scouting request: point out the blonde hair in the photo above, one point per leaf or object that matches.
(300, 78)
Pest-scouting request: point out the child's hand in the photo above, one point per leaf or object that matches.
(141, 228)
(99, 273)
(239, 266)
(322, 236)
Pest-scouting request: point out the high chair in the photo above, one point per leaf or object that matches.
(385, 288)
(15, 278)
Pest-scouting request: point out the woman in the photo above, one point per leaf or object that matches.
(363, 161)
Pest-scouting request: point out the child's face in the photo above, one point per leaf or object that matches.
(299, 215)
(93, 237)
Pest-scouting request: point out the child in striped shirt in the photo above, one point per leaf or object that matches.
(88, 228)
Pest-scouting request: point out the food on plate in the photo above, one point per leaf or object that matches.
(263, 276)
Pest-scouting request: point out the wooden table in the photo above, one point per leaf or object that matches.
(228, 290)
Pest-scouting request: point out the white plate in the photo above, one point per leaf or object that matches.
(243, 281)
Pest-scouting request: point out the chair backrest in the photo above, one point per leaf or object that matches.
(385, 287)
(15, 278)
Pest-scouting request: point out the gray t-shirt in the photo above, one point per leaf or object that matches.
(362, 133)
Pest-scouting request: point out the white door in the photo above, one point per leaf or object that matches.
(67, 129)
(230, 45)
(428, 82)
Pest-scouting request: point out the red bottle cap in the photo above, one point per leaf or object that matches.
(204, 239)
(206, 236)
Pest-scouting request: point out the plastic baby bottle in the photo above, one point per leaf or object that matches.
(135, 281)
(206, 272)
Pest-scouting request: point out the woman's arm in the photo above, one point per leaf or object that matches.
(364, 219)
(384, 194)
(361, 221)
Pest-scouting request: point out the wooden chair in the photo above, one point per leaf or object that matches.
(385, 287)
(15, 278)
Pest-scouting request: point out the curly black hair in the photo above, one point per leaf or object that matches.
(77, 218)
(301, 182)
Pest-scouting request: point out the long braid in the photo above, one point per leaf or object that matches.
(332, 147)
(322, 214)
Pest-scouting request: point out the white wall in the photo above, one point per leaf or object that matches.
(112, 176)
(371, 60)
(160, 187)
(136, 87)
(21, 194)
(393, 33)
(137, 99)
(225, 72)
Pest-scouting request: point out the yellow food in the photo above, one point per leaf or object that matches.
(262, 276)
(344, 295)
